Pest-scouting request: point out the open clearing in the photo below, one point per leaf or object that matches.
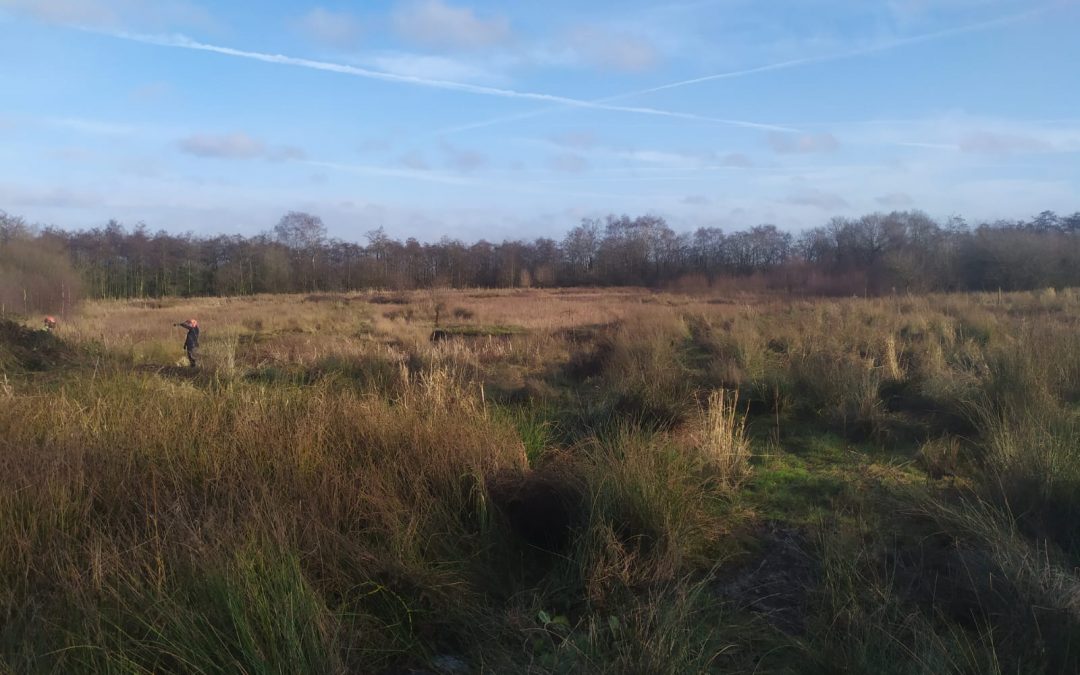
(564, 481)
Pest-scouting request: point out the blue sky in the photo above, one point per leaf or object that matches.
(498, 120)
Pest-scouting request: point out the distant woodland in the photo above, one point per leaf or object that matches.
(45, 268)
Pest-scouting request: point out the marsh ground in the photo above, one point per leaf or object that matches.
(565, 481)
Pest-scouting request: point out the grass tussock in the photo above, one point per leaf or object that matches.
(722, 438)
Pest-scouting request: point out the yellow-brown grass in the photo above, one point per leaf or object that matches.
(318, 495)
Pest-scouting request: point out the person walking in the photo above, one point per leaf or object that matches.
(191, 343)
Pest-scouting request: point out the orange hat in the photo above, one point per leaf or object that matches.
(193, 323)
(50, 319)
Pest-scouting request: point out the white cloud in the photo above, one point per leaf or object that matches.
(64, 11)
(152, 91)
(976, 136)
(992, 143)
(826, 201)
(53, 197)
(373, 145)
(286, 153)
(580, 140)
(115, 14)
(663, 157)
(430, 67)
(423, 175)
(568, 162)
(991, 199)
(73, 153)
(462, 159)
(737, 159)
(229, 146)
(433, 23)
(802, 144)
(414, 160)
(633, 158)
(88, 126)
(142, 166)
(895, 200)
(336, 29)
(237, 146)
(912, 10)
(605, 49)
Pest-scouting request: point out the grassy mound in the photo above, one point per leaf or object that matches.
(23, 349)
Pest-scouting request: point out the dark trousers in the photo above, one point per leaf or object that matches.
(191, 355)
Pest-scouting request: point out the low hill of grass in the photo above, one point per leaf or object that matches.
(25, 349)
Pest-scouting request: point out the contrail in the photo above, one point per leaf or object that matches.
(389, 172)
(183, 42)
(873, 49)
(781, 65)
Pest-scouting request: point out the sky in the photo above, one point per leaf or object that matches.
(474, 119)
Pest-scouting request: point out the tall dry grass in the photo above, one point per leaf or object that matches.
(722, 438)
(131, 486)
(568, 484)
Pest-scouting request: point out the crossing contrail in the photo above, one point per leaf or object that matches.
(183, 42)
(781, 65)
(824, 58)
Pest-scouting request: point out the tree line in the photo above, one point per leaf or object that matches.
(902, 251)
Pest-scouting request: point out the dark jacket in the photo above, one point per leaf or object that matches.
(192, 340)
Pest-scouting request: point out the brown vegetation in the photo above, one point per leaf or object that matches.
(36, 273)
(575, 481)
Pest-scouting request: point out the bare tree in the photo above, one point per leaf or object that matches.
(580, 247)
(12, 227)
(303, 233)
